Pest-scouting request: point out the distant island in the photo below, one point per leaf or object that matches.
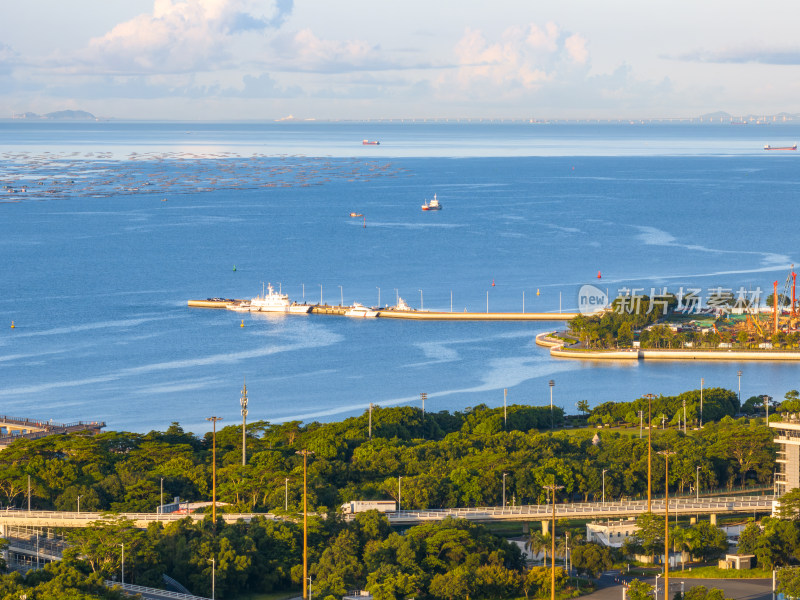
(59, 115)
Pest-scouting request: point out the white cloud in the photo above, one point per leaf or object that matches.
(525, 57)
(181, 35)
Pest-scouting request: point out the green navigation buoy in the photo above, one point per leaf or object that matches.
(234, 267)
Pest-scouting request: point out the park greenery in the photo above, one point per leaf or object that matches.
(657, 324)
(426, 460)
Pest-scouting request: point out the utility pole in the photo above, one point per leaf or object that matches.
(214, 470)
(423, 396)
(243, 402)
(505, 408)
(649, 449)
(667, 454)
(370, 420)
(305, 454)
(551, 383)
(553, 487)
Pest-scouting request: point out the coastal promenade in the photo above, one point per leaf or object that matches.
(534, 512)
(559, 349)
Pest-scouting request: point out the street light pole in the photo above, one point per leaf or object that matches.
(370, 420)
(243, 402)
(604, 485)
(504, 489)
(399, 491)
(702, 381)
(214, 470)
(305, 454)
(123, 563)
(161, 509)
(739, 375)
(213, 578)
(697, 485)
(551, 383)
(286, 495)
(79, 504)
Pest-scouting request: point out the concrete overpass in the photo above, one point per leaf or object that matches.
(535, 512)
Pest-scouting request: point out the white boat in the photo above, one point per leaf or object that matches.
(401, 305)
(276, 302)
(243, 306)
(432, 205)
(359, 310)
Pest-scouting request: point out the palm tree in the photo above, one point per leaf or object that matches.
(538, 543)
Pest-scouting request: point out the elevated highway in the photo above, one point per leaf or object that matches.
(533, 512)
(591, 510)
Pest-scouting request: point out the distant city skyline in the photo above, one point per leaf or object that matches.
(357, 59)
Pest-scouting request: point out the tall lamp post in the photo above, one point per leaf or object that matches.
(399, 492)
(305, 454)
(286, 495)
(243, 402)
(739, 376)
(702, 381)
(551, 383)
(604, 485)
(553, 487)
(123, 563)
(213, 578)
(79, 504)
(697, 485)
(504, 489)
(649, 448)
(667, 454)
(214, 470)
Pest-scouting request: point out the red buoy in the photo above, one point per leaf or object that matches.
(599, 275)
(492, 282)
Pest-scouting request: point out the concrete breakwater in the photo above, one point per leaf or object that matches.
(417, 315)
(559, 349)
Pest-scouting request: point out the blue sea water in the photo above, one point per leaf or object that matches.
(122, 223)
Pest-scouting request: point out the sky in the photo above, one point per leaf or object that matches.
(218, 60)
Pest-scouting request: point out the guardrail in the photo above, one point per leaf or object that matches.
(139, 589)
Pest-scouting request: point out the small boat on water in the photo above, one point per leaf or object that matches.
(768, 147)
(371, 143)
(355, 214)
(432, 205)
(359, 310)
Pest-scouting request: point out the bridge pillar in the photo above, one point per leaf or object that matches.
(713, 519)
(545, 527)
(692, 520)
(526, 528)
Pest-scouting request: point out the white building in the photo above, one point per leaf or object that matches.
(611, 533)
(787, 436)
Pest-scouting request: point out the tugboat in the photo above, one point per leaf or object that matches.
(371, 143)
(432, 205)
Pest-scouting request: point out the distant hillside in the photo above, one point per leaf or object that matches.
(59, 115)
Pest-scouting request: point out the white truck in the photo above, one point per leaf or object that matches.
(360, 506)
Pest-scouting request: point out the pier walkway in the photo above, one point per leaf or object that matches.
(410, 314)
(15, 428)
